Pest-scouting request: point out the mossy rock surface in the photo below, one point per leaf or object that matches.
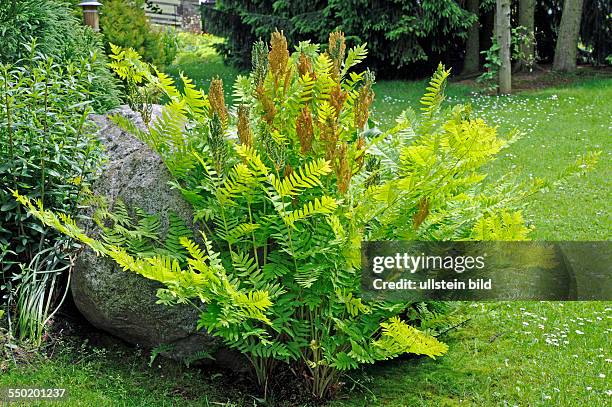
(124, 303)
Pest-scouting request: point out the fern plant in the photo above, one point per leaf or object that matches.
(288, 184)
(129, 67)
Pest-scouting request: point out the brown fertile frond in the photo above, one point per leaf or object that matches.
(217, 99)
(343, 170)
(337, 51)
(329, 135)
(362, 104)
(268, 107)
(279, 55)
(360, 151)
(288, 76)
(337, 98)
(244, 129)
(422, 213)
(304, 65)
(304, 130)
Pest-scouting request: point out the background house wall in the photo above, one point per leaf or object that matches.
(183, 14)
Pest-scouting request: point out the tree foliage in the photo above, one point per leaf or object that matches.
(124, 23)
(405, 37)
(596, 30)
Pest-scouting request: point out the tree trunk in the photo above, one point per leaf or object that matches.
(471, 63)
(567, 42)
(526, 19)
(502, 31)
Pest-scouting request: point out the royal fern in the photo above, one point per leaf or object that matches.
(284, 206)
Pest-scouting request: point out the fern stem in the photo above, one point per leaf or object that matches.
(265, 248)
(253, 234)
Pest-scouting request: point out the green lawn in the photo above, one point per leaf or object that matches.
(200, 62)
(520, 353)
(557, 125)
(514, 354)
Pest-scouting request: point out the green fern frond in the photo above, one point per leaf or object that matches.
(325, 111)
(196, 99)
(253, 303)
(502, 226)
(243, 229)
(177, 230)
(398, 337)
(252, 159)
(306, 177)
(307, 275)
(239, 181)
(433, 98)
(307, 84)
(342, 361)
(166, 84)
(336, 226)
(354, 305)
(355, 56)
(323, 65)
(361, 353)
(325, 205)
(193, 249)
(129, 126)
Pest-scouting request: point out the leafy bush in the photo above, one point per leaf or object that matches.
(287, 186)
(124, 23)
(59, 35)
(48, 151)
(405, 37)
(520, 37)
(129, 67)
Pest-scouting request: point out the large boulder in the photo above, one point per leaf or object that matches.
(123, 303)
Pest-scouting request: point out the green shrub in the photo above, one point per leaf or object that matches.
(129, 67)
(288, 187)
(405, 37)
(520, 38)
(48, 150)
(124, 23)
(59, 35)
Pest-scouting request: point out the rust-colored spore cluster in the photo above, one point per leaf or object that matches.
(364, 101)
(279, 55)
(343, 169)
(304, 65)
(337, 51)
(244, 129)
(337, 99)
(304, 130)
(217, 100)
(317, 131)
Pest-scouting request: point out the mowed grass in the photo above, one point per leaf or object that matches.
(557, 125)
(506, 354)
(116, 375)
(198, 59)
